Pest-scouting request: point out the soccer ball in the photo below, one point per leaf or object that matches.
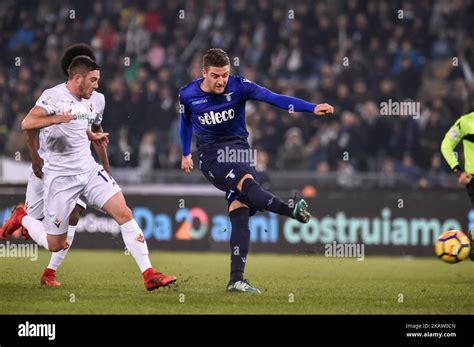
(452, 246)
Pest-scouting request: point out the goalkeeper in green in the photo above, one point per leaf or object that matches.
(463, 130)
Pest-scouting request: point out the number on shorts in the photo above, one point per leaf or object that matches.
(105, 179)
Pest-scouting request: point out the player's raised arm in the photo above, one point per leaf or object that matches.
(448, 145)
(39, 118)
(186, 134)
(256, 92)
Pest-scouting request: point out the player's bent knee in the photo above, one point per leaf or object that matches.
(57, 243)
(56, 247)
(125, 216)
(128, 215)
(241, 182)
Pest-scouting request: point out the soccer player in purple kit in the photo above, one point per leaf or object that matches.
(213, 107)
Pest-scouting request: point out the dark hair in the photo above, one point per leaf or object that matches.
(73, 51)
(215, 57)
(82, 64)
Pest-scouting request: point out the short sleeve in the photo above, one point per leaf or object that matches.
(49, 102)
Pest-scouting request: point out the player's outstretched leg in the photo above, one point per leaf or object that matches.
(239, 246)
(135, 242)
(262, 199)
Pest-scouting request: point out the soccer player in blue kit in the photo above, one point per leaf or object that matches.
(213, 107)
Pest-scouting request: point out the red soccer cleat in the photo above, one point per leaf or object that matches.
(49, 278)
(12, 223)
(155, 279)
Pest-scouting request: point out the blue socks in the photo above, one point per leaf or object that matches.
(239, 242)
(264, 200)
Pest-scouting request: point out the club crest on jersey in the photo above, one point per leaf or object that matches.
(91, 107)
(228, 96)
(57, 221)
(230, 174)
(213, 118)
(140, 238)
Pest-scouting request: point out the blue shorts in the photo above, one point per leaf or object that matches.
(225, 174)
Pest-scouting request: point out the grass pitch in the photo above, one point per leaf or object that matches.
(109, 282)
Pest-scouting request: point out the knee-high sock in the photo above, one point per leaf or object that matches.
(36, 231)
(136, 244)
(239, 242)
(263, 199)
(58, 257)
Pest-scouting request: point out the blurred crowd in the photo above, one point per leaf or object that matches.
(352, 54)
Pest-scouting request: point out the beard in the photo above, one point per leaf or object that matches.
(84, 92)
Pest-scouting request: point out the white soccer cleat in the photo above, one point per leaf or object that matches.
(242, 286)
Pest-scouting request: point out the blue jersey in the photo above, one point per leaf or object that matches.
(219, 119)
